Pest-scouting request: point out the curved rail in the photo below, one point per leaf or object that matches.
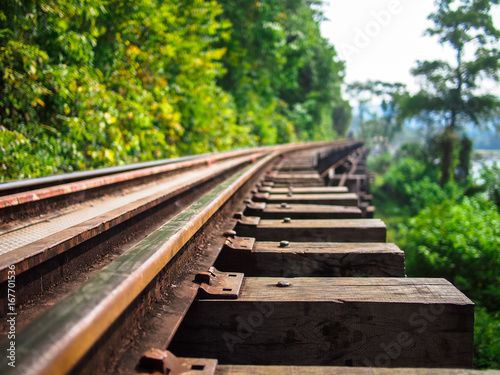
(36, 183)
(56, 341)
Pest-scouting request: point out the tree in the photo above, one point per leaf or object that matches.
(382, 126)
(451, 91)
(281, 72)
(106, 82)
(342, 117)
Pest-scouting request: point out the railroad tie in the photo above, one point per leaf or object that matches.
(256, 260)
(332, 322)
(303, 230)
(321, 287)
(310, 259)
(300, 211)
(339, 199)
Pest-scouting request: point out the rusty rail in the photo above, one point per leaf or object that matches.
(293, 256)
(63, 335)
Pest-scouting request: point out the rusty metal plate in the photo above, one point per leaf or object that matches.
(254, 208)
(248, 221)
(239, 243)
(217, 284)
(267, 183)
(264, 189)
(164, 362)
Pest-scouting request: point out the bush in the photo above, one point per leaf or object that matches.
(99, 83)
(412, 185)
(491, 177)
(380, 163)
(486, 339)
(458, 241)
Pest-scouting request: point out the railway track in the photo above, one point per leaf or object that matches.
(252, 259)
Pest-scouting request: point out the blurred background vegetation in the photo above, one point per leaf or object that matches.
(88, 84)
(438, 196)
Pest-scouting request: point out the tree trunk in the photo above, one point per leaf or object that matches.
(464, 160)
(447, 155)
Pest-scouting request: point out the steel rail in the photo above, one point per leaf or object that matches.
(33, 254)
(109, 179)
(59, 343)
(100, 177)
(36, 183)
(32, 183)
(57, 340)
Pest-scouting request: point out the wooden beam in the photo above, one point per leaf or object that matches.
(308, 190)
(311, 259)
(335, 230)
(301, 211)
(367, 322)
(339, 199)
(317, 370)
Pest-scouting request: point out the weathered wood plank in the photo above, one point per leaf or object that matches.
(366, 322)
(312, 259)
(334, 230)
(351, 177)
(317, 370)
(302, 211)
(309, 190)
(295, 178)
(338, 199)
(370, 212)
(298, 183)
(296, 172)
(285, 175)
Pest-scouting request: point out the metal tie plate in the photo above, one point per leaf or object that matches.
(215, 284)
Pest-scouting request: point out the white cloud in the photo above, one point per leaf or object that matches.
(383, 39)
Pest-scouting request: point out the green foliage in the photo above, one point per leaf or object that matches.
(380, 163)
(412, 185)
(486, 339)
(459, 241)
(342, 118)
(106, 82)
(491, 177)
(464, 160)
(280, 71)
(447, 234)
(415, 151)
(452, 91)
(378, 130)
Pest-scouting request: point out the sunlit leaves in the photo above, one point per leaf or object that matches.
(106, 82)
(460, 241)
(451, 91)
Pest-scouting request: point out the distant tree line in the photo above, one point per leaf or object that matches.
(453, 94)
(107, 82)
(445, 219)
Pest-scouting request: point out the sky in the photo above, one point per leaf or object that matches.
(383, 39)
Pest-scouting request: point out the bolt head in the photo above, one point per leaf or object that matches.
(287, 220)
(154, 360)
(230, 233)
(283, 284)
